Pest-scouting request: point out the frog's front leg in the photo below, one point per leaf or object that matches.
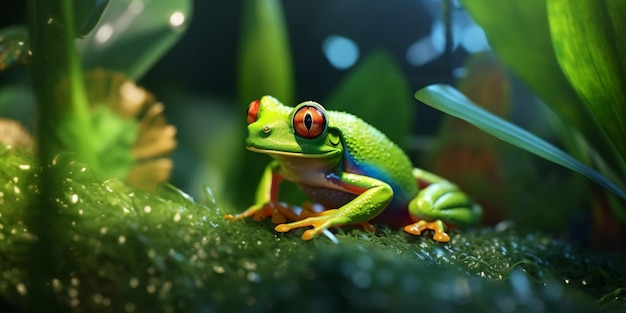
(440, 201)
(373, 196)
(266, 201)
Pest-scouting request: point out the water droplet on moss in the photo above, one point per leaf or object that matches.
(151, 288)
(134, 282)
(253, 277)
(361, 279)
(57, 286)
(72, 292)
(21, 289)
(365, 262)
(97, 298)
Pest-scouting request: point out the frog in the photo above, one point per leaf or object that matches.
(351, 169)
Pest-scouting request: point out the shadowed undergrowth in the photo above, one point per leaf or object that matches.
(125, 250)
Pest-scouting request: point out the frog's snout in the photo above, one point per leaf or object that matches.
(255, 130)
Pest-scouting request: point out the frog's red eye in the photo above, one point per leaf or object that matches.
(309, 121)
(253, 111)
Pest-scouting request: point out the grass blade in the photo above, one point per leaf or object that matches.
(449, 100)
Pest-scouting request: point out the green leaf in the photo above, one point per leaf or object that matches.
(265, 66)
(377, 91)
(86, 14)
(449, 100)
(116, 136)
(520, 36)
(133, 35)
(589, 38)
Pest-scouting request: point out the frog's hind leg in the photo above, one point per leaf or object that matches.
(440, 201)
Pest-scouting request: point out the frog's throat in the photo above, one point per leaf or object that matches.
(328, 154)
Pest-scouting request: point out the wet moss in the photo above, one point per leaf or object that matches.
(125, 250)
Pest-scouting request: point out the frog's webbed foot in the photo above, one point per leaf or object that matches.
(278, 213)
(320, 222)
(437, 226)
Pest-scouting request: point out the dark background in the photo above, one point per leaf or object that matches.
(205, 60)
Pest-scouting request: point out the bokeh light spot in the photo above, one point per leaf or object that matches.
(177, 18)
(474, 40)
(340, 51)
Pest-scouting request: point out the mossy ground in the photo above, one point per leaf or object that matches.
(119, 249)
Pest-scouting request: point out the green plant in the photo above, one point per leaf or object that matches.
(571, 54)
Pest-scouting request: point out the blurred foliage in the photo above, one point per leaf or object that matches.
(265, 62)
(131, 36)
(375, 87)
(520, 36)
(93, 118)
(469, 157)
(589, 39)
(451, 101)
(86, 14)
(14, 47)
(549, 45)
(134, 137)
(131, 132)
(135, 251)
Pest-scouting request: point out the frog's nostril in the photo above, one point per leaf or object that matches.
(266, 129)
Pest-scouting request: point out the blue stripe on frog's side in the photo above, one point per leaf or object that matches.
(396, 213)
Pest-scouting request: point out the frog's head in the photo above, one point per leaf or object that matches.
(303, 131)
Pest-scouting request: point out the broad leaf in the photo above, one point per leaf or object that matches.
(265, 66)
(133, 35)
(378, 92)
(449, 100)
(589, 38)
(520, 36)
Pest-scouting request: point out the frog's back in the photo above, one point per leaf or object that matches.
(370, 152)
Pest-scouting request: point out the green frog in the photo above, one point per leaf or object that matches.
(352, 169)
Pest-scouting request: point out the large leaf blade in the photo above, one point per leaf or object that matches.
(264, 68)
(589, 44)
(520, 36)
(265, 65)
(449, 100)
